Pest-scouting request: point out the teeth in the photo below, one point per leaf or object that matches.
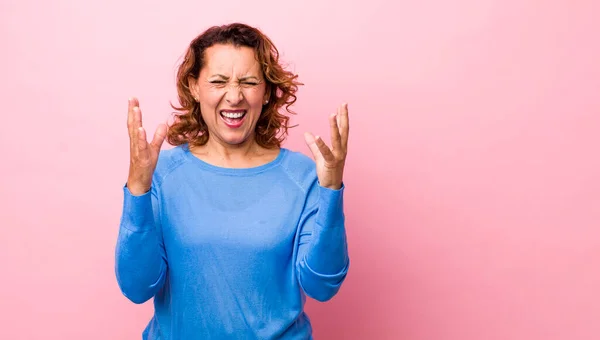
(232, 115)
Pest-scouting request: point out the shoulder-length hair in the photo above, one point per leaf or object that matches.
(281, 86)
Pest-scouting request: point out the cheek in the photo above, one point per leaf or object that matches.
(207, 110)
(254, 96)
(212, 96)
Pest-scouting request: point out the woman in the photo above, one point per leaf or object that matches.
(228, 231)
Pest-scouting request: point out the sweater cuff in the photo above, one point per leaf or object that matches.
(137, 211)
(331, 207)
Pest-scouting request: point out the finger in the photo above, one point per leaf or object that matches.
(324, 149)
(159, 136)
(336, 142)
(142, 144)
(344, 124)
(131, 103)
(135, 125)
(130, 117)
(134, 136)
(137, 120)
(310, 142)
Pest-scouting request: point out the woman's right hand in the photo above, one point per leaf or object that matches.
(143, 155)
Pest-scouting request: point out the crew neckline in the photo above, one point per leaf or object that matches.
(234, 171)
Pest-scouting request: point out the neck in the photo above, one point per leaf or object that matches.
(228, 152)
(246, 154)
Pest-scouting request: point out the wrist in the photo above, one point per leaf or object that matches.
(137, 189)
(331, 186)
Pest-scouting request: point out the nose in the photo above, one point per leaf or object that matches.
(233, 94)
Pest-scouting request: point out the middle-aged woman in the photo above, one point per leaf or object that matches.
(228, 231)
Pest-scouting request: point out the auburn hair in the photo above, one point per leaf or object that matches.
(281, 85)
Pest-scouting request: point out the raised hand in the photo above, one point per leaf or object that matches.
(143, 155)
(330, 162)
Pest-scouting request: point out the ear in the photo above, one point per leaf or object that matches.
(267, 95)
(193, 86)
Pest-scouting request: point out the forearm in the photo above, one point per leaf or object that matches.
(327, 253)
(139, 257)
(323, 261)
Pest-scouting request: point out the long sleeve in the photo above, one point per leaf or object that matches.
(140, 259)
(323, 260)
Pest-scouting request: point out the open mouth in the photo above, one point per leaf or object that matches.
(233, 118)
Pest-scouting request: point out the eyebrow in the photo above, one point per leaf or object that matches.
(241, 79)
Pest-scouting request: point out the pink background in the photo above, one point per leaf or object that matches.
(473, 197)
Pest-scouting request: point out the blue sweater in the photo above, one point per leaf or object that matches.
(231, 253)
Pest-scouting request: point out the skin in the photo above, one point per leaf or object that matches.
(232, 79)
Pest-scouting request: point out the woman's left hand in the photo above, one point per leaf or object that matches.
(330, 162)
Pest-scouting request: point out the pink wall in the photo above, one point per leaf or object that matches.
(473, 181)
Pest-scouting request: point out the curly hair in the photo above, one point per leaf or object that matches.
(281, 85)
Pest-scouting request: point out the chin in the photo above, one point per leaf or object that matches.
(235, 138)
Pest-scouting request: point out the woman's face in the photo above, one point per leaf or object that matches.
(231, 91)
